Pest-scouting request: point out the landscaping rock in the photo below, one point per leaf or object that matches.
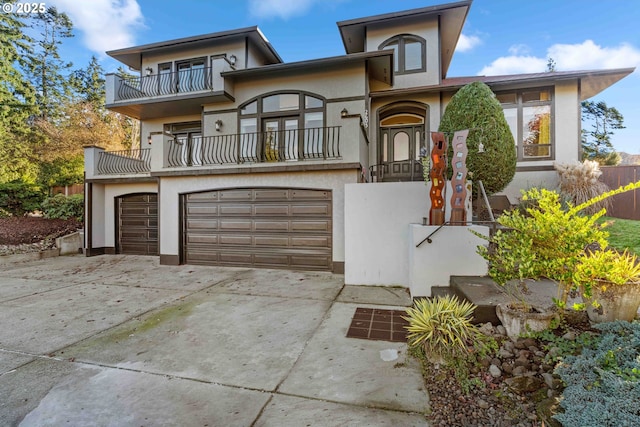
(524, 384)
(495, 371)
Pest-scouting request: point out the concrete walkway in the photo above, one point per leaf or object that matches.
(123, 341)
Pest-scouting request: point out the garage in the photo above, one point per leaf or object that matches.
(137, 224)
(258, 227)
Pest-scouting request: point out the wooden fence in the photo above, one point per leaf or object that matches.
(625, 205)
(68, 190)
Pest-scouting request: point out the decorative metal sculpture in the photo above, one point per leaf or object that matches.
(459, 177)
(437, 175)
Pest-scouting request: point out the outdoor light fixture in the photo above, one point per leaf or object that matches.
(218, 125)
(148, 71)
(165, 133)
(344, 113)
(232, 60)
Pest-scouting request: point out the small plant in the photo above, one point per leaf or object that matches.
(62, 207)
(440, 329)
(603, 381)
(441, 325)
(579, 183)
(605, 265)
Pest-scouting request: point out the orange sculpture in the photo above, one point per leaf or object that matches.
(438, 179)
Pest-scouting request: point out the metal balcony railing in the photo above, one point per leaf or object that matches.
(184, 81)
(403, 170)
(124, 162)
(257, 147)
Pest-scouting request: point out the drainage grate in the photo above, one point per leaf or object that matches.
(375, 324)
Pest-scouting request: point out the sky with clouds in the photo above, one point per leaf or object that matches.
(499, 37)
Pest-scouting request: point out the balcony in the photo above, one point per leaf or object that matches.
(257, 147)
(169, 93)
(124, 162)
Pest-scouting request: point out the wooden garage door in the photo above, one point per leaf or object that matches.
(259, 227)
(138, 224)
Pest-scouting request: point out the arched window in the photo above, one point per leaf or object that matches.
(409, 53)
(292, 122)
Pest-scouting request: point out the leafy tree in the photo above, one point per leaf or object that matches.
(79, 124)
(596, 143)
(45, 67)
(62, 171)
(476, 108)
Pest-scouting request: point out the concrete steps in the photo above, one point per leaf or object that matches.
(486, 294)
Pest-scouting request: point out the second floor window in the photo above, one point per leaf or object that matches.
(409, 53)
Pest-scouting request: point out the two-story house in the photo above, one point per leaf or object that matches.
(245, 158)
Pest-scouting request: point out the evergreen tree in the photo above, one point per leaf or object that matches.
(17, 101)
(596, 143)
(88, 84)
(45, 67)
(476, 108)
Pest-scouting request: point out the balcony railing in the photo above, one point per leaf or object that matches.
(257, 147)
(184, 81)
(403, 170)
(124, 162)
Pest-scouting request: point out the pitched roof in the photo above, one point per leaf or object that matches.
(592, 81)
(132, 56)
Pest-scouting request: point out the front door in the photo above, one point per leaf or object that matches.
(280, 139)
(400, 152)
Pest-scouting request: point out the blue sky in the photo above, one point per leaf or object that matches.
(499, 37)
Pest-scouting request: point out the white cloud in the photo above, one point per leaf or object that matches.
(588, 55)
(514, 65)
(466, 43)
(283, 9)
(581, 56)
(104, 24)
(519, 49)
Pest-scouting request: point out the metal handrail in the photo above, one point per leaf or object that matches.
(257, 147)
(184, 81)
(124, 161)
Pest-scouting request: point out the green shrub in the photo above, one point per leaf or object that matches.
(62, 207)
(441, 325)
(476, 108)
(18, 197)
(603, 382)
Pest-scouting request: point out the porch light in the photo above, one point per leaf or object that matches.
(148, 71)
(232, 60)
(218, 125)
(149, 139)
(344, 113)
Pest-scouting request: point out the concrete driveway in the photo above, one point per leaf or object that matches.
(123, 341)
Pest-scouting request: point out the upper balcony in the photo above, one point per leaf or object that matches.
(167, 94)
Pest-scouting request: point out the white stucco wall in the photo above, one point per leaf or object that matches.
(173, 187)
(452, 251)
(377, 218)
(103, 221)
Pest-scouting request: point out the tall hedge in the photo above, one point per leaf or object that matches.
(476, 108)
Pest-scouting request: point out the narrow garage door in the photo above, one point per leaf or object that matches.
(138, 224)
(259, 227)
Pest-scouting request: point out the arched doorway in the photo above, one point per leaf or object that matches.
(402, 130)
